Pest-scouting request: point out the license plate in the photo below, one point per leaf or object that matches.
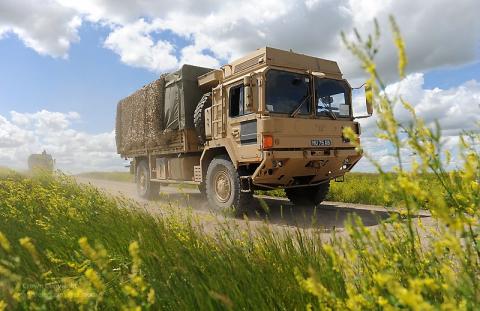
(321, 142)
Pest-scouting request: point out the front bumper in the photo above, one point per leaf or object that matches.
(288, 169)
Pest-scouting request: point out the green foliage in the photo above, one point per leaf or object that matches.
(366, 188)
(113, 176)
(67, 245)
(369, 188)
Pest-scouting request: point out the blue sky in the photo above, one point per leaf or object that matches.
(61, 56)
(90, 81)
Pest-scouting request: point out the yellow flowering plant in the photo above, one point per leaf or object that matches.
(404, 265)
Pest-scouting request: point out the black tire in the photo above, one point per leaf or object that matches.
(308, 196)
(145, 187)
(223, 187)
(199, 116)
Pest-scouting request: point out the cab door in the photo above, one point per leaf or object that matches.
(242, 121)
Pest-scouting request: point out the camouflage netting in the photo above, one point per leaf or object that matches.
(146, 118)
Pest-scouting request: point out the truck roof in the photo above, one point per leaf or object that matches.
(268, 56)
(289, 59)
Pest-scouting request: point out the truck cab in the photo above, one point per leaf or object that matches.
(279, 117)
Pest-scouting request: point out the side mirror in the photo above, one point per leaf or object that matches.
(247, 93)
(368, 98)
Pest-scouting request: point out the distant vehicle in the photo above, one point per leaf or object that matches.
(41, 162)
(272, 119)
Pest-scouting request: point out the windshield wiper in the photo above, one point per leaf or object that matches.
(329, 109)
(327, 105)
(297, 109)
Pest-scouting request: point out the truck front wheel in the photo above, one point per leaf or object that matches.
(223, 187)
(310, 195)
(145, 187)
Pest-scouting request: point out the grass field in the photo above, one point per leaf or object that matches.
(69, 246)
(113, 176)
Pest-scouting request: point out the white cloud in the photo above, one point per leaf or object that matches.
(11, 135)
(456, 109)
(74, 151)
(45, 26)
(136, 47)
(194, 55)
(44, 121)
(230, 28)
(437, 33)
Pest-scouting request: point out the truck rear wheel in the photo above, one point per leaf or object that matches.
(199, 116)
(223, 187)
(145, 187)
(307, 196)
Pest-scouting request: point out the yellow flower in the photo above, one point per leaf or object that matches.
(382, 301)
(30, 294)
(93, 277)
(77, 294)
(26, 243)
(382, 279)
(151, 296)
(87, 249)
(400, 44)
(17, 296)
(129, 290)
(4, 242)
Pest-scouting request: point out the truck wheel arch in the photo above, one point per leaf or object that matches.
(209, 154)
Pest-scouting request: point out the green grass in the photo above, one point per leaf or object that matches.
(113, 176)
(364, 188)
(64, 245)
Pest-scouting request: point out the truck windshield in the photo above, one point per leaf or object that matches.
(331, 98)
(287, 91)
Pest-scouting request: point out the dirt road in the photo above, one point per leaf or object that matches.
(276, 211)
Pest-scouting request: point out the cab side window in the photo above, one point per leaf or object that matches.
(237, 105)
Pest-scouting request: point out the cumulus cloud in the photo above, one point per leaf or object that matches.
(136, 47)
(456, 109)
(45, 26)
(214, 32)
(12, 136)
(75, 151)
(228, 29)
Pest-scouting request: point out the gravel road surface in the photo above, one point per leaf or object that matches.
(328, 216)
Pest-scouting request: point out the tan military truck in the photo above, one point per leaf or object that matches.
(41, 162)
(272, 119)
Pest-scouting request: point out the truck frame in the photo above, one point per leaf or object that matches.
(272, 119)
